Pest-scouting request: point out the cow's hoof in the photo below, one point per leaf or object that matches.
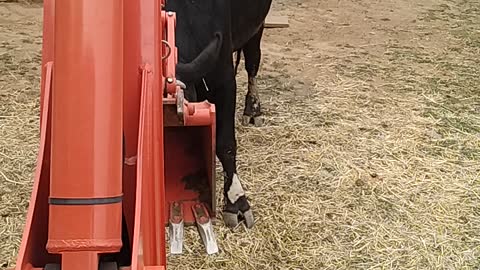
(232, 220)
(249, 220)
(246, 120)
(258, 121)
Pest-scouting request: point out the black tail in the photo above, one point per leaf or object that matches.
(200, 66)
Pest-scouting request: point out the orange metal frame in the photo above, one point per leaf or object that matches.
(109, 69)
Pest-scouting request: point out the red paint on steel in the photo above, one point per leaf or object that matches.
(197, 143)
(86, 128)
(170, 50)
(102, 48)
(32, 248)
(132, 75)
(80, 260)
(142, 118)
(150, 175)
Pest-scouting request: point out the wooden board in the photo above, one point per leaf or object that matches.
(273, 21)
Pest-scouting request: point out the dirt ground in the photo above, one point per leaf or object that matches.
(370, 154)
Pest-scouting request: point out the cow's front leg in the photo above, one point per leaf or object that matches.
(252, 52)
(235, 201)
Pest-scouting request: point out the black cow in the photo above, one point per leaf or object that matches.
(207, 34)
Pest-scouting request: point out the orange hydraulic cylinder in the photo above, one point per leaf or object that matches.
(86, 160)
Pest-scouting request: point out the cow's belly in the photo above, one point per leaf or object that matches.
(241, 37)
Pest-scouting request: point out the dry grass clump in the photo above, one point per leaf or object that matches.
(369, 157)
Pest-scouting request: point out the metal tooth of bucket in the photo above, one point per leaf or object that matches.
(205, 228)
(176, 228)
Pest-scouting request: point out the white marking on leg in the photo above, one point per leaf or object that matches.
(235, 191)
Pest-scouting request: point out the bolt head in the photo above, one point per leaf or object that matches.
(169, 80)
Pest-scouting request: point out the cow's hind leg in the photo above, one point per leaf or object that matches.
(235, 201)
(252, 53)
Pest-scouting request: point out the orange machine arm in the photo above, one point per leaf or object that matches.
(86, 158)
(108, 84)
